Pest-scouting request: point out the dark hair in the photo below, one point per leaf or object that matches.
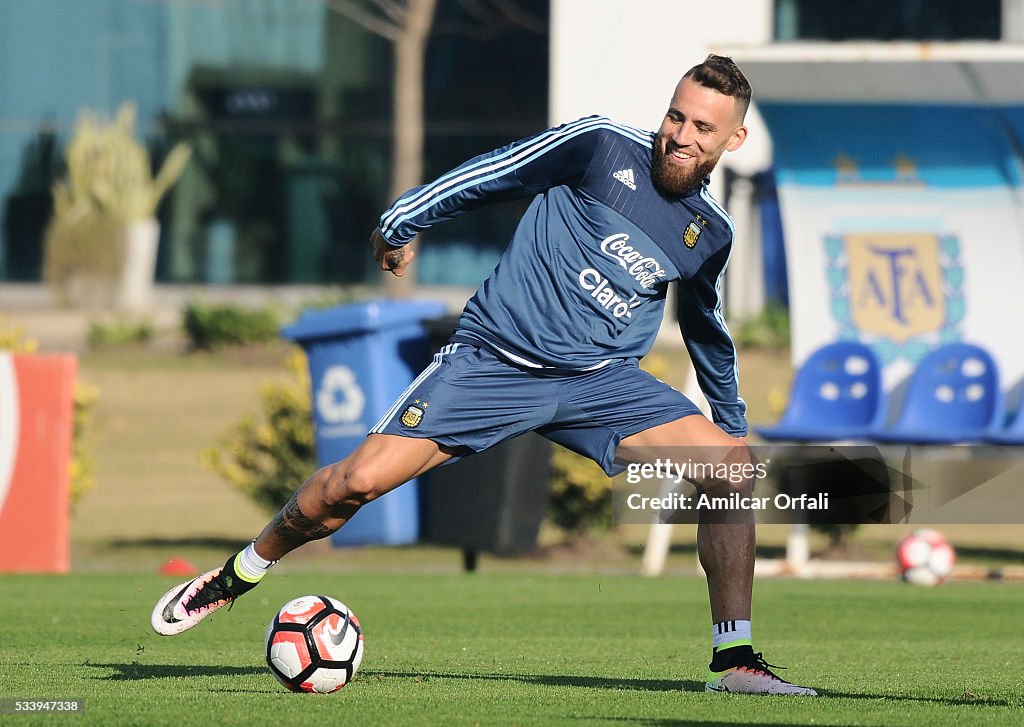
(721, 74)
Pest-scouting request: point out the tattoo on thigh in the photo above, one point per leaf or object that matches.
(293, 527)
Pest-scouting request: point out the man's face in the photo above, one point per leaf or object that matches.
(700, 125)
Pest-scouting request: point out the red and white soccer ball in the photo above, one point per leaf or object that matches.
(314, 644)
(925, 558)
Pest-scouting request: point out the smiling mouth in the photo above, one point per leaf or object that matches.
(681, 156)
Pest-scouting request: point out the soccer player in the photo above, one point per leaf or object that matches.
(551, 341)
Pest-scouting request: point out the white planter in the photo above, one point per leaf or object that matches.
(135, 292)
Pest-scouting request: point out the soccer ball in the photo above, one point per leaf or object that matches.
(925, 558)
(314, 644)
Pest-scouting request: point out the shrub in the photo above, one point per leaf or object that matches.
(83, 466)
(268, 457)
(120, 332)
(581, 493)
(14, 340)
(215, 326)
(769, 329)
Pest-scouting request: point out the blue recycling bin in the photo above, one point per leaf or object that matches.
(361, 357)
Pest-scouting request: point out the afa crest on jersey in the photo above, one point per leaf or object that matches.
(693, 230)
(412, 416)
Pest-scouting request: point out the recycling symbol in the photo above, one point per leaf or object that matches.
(339, 398)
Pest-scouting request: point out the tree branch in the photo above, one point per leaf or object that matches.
(393, 10)
(490, 19)
(519, 17)
(479, 11)
(369, 21)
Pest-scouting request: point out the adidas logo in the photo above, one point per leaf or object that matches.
(626, 177)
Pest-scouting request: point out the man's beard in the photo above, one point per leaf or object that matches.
(670, 178)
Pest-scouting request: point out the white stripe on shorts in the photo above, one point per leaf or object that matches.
(530, 364)
(431, 368)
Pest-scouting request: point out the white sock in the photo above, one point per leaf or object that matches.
(250, 566)
(730, 633)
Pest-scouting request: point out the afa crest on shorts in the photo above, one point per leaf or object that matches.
(412, 416)
(692, 232)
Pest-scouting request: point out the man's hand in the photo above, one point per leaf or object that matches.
(393, 259)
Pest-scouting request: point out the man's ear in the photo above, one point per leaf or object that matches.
(738, 137)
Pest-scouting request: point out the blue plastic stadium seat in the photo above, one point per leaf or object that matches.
(953, 397)
(1013, 434)
(837, 394)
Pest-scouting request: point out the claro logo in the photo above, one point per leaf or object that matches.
(601, 290)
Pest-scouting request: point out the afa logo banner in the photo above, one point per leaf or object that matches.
(900, 292)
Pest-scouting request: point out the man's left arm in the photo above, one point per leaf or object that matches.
(699, 312)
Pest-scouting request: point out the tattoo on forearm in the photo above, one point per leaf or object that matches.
(291, 526)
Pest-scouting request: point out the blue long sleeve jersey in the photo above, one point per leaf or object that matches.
(585, 277)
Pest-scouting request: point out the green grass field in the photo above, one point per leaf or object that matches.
(568, 637)
(520, 649)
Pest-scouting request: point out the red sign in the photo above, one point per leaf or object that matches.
(36, 407)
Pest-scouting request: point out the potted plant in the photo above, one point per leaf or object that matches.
(102, 241)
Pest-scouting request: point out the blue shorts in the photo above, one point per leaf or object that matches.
(469, 398)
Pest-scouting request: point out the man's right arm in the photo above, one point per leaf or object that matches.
(523, 168)
(391, 259)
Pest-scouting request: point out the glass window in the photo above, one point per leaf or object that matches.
(295, 162)
(935, 20)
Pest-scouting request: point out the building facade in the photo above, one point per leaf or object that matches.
(288, 108)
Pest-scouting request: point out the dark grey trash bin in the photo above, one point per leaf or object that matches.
(493, 501)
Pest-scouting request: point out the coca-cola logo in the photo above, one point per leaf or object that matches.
(646, 270)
